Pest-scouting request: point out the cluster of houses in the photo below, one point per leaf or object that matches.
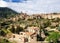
(27, 36)
(51, 15)
(25, 16)
(30, 33)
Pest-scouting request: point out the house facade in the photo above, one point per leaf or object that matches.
(26, 36)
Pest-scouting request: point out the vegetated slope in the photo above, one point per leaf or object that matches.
(7, 12)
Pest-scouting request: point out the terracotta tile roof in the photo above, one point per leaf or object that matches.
(29, 33)
(33, 27)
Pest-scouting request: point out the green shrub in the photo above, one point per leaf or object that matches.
(4, 41)
(54, 36)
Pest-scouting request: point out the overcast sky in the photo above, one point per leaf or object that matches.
(34, 6)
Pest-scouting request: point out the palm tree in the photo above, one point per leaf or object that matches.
(42, 24)
(54, 37)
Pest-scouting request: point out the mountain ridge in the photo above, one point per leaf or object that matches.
(5, 11)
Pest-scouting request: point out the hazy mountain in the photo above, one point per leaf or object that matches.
(6, 12)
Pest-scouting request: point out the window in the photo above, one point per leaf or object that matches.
(21, 33)
(32, 37)
(25, 39)
(13, 36)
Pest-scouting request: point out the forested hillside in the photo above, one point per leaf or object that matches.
(7, 12)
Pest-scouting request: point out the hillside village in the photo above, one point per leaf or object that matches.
(36, 28)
